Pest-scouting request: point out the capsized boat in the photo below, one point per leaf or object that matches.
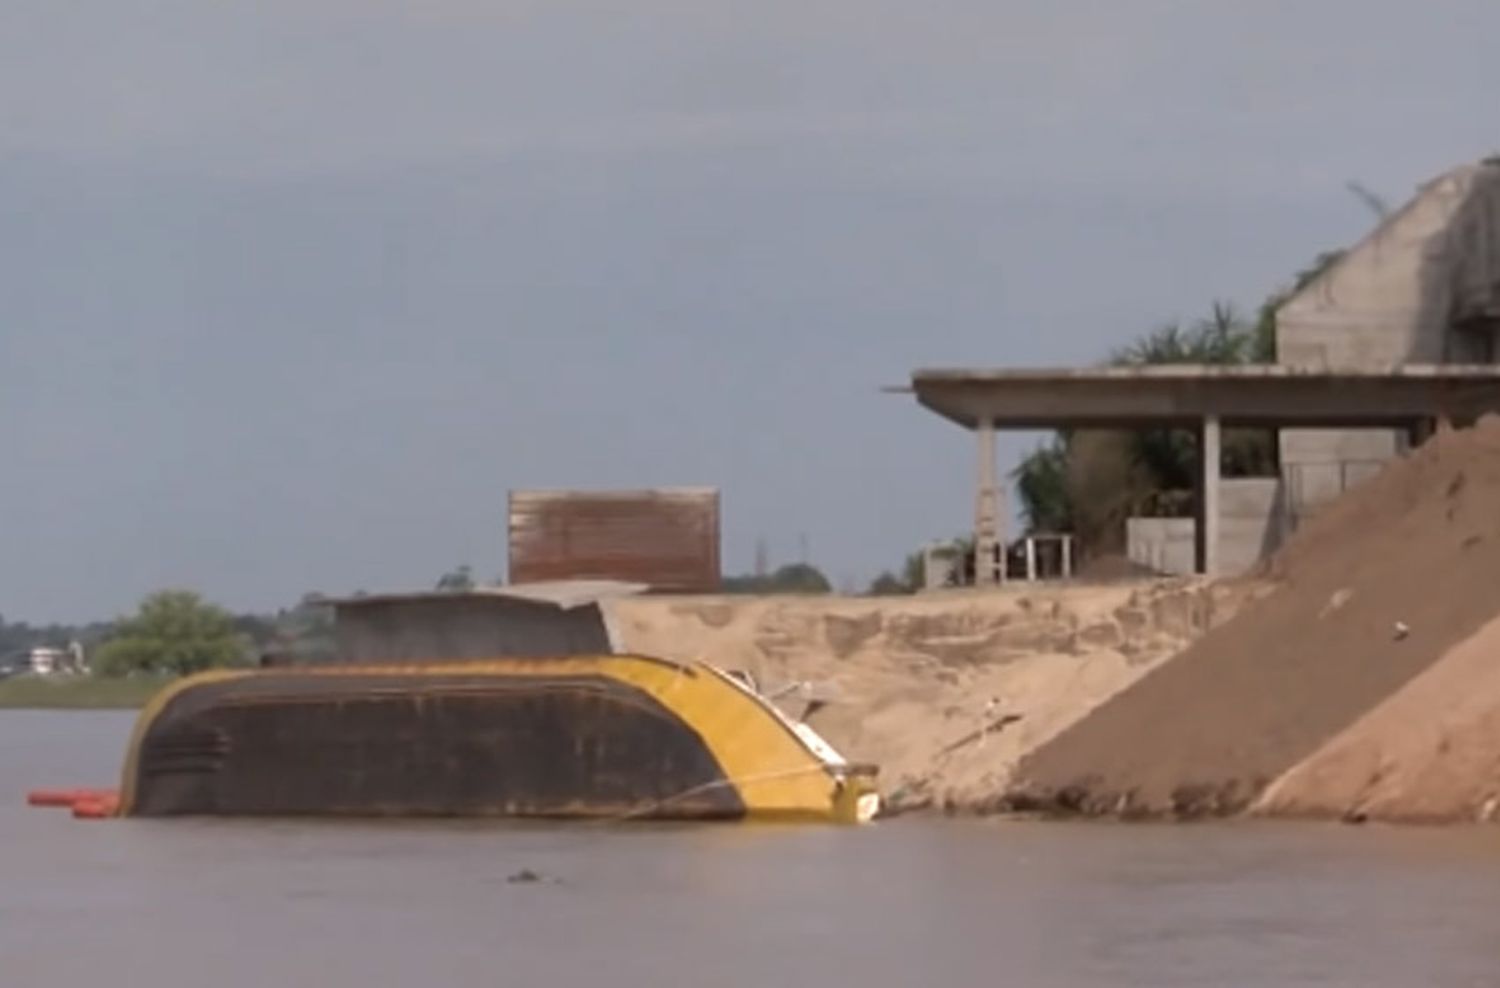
(612, 736)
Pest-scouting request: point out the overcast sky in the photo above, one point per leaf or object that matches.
(293, 292)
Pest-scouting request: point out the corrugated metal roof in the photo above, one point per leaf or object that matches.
(667, 538)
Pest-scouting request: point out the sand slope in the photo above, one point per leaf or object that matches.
(910, 681)
(1207, 731)
(1430, 753)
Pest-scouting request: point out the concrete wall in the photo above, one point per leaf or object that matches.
(435, 629)
(1424, 287)
(1318, 465)
(1252, 522)
(1164, 545)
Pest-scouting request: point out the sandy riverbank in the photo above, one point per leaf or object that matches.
(1428, 754)
(911, 683)
(1362, 681)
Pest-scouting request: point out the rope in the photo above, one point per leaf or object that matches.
(706, 787)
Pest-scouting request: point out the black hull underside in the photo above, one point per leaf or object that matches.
(399, 745)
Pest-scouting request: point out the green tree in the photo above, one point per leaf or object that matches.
(910, 578)
(1168, 457)
(302, 634)
(1042, 487)
(792, 578)
(1265, 323)
(175, 633)
(457, 580)
(799, 578)
(888, 584)
(1087, 483)
(1221, 338)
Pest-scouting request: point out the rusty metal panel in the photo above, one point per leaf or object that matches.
(666, 539)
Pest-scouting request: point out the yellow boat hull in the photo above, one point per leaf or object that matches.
(606, 736)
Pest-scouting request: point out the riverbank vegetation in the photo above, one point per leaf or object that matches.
(79, 692)
(176, 632)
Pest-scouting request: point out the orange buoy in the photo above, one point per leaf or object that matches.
(100, 808)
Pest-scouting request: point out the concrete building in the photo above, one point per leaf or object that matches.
(1405, 399)
(1399, 333)
(1423, 288)
(49, 661)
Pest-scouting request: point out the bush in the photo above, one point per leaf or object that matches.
(174, 633)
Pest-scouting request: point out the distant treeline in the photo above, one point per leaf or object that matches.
(175, 632)
(152, 639)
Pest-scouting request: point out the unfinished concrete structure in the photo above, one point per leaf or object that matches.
(1396, 334)
(1423, 288)
(1204, 399)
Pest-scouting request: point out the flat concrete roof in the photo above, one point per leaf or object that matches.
(1271, 395)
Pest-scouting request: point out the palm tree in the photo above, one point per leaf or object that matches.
(1089, 486)
(1042, 487)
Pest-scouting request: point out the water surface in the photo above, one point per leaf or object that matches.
(223, 904)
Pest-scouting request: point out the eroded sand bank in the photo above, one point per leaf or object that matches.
(911, 683)
(1428, 754)
(1348, 681)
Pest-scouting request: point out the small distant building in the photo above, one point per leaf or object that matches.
(45, 661)
(49, 661)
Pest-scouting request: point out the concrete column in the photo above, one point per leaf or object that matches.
(1421, 432)
(1067, 557)
(1030, 560)
(986, 508)
(1206, 527)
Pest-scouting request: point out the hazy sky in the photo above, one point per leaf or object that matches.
(292, 293)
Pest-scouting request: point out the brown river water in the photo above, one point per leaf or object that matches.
(909, 903)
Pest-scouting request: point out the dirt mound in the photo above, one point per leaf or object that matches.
(1429, 754)
(1369, 594)
(929, 687)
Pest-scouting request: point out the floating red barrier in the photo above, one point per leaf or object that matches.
(96, 809)
(52, 797)
(63, 798)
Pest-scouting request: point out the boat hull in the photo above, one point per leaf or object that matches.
(610, 736)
